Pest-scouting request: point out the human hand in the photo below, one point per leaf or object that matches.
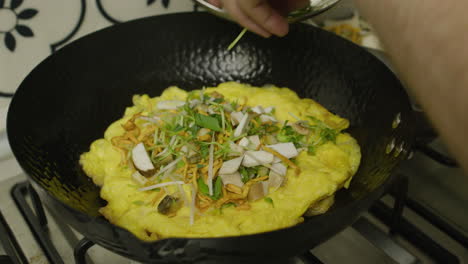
(264, 17)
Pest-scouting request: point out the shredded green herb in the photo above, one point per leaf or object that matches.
(241, 34)
(138, 202)
(269, 200)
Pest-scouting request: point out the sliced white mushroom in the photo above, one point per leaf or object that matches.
(255, 158)
(275, 180)
(286, 149)
(138, 178)
(254, 142)
(279, 168)
(269, 109)
(194, 103)
(258, 109)
(170, 104)
(236, 117)
(188, 152)
(242, 125)
(265, 186)
(231, 166)
(141, 159)
(256, 192)
(236, 150)
(233, 178)
(244, 142)
(267, 119)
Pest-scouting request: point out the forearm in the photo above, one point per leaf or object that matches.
(428, 43)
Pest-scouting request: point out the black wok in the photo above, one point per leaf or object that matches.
(70, 98)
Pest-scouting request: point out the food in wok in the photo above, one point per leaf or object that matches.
(222, 161)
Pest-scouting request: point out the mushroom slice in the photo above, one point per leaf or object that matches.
(258, 109)
(236, 150)
(255, 158)
(269, 109)
(170, 104)
(236, 117)
(254, 142)
(233, 178)
(267, 119)
(231, 166)
(256, 191)
(142, 160)
(169, 205)
(286, 149)
(276, 176)
(244, 142)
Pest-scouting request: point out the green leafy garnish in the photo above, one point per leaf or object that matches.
(311, 150)
(207, 122)
(217, 188)
(226, 205)
(245, 174)
(269, 200)
(199, 166)
(180, 164)
(193, 130)
(138, 202)
(202, 187)
(326, 133)
(204, 151)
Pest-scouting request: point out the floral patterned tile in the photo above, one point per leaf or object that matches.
(30, 30)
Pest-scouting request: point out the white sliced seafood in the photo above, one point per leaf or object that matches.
(170, 104)
(231, 166)
(141, 159)
(255, 158)
(233, 178)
